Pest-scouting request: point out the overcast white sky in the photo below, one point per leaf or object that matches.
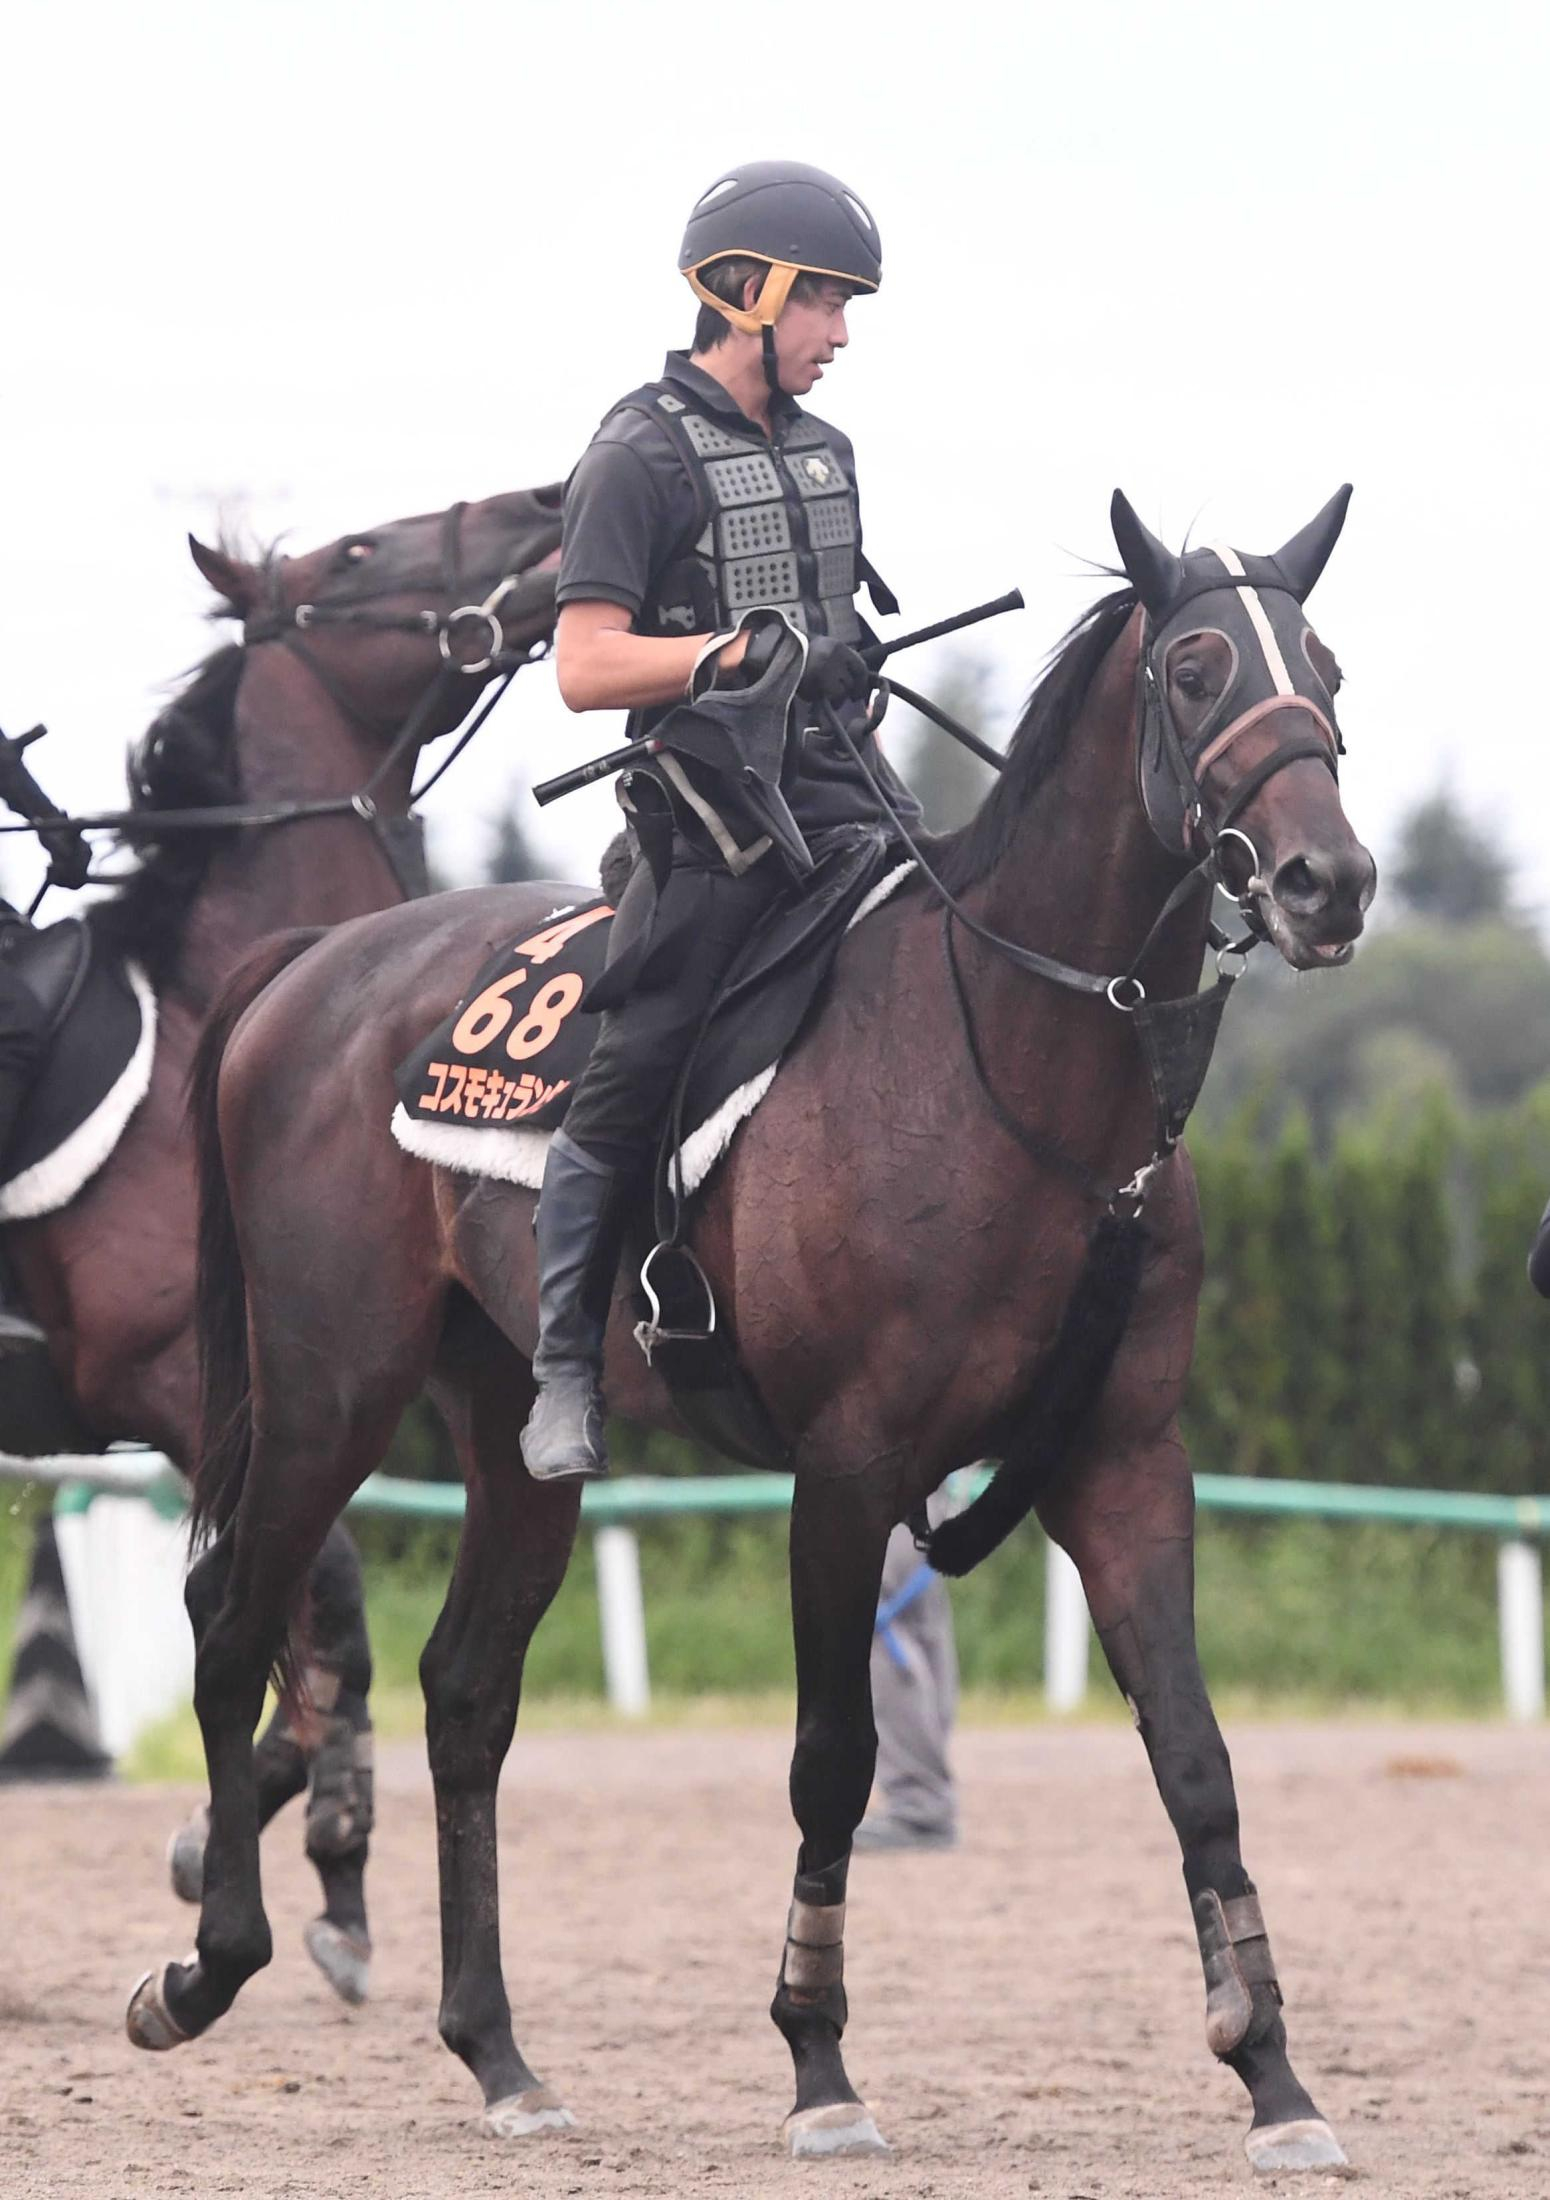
(325, 264)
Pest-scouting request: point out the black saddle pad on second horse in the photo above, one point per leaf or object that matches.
(95, 1069)
(513, 1049)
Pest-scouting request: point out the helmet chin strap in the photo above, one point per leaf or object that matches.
(771, 363)
(760, 318)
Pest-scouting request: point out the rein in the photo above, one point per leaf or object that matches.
(284, 623)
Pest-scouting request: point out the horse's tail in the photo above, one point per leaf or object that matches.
(221, 1304)
(1066, 1386)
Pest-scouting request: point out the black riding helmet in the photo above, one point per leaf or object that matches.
(800, 220)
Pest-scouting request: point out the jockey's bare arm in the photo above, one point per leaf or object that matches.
(603, 664)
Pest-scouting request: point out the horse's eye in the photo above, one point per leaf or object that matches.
(1190, 682)
(356, 553)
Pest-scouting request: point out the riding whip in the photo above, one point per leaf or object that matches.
(636, 752)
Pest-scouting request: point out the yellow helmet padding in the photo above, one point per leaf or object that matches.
(771, 301)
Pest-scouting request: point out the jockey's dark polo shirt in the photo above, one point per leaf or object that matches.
(631, 508)
(630, 505)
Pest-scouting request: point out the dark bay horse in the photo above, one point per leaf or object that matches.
(896, 1238)
(299, 711)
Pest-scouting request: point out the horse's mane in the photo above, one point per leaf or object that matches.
(1038, 744)
(186, 760)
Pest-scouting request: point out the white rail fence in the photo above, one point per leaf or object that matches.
(118, 1519)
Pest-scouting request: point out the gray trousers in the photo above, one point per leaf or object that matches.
(914, 1695)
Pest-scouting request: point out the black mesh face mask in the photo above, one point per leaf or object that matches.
(1254, 605)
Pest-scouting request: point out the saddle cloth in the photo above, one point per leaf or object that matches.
(483, 1094)
(95, 1073)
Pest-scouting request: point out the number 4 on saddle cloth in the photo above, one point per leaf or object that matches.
(482, 1094)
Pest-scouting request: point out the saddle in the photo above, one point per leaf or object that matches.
(515, 1046)
(101, 1026)
(483, 1092)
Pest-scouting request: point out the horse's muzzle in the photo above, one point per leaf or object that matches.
(1318, 904)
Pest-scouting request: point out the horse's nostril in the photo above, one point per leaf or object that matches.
(1302, 886)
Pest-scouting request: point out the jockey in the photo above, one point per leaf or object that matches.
(24, 1015)
(709, 517)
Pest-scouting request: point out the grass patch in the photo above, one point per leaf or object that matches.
(1296, 1618)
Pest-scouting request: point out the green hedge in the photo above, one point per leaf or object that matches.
(1366, 1317)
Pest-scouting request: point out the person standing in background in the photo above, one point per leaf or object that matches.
(914, 1704)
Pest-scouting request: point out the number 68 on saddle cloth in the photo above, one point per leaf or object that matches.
(513, 1047)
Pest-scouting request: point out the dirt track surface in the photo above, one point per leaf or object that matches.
(1026, 2014)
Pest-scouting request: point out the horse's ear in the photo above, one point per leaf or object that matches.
(1153, 569)
(1304, 558)
(230, 577)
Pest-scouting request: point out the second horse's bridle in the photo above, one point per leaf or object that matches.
(287, 623)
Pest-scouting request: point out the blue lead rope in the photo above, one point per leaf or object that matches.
(888, 1611)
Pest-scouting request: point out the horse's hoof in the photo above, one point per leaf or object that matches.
(343, 1958)
(843, 2128)
(520, 2115)
(148, 2020)
(186, 1857)
(1306, 2144)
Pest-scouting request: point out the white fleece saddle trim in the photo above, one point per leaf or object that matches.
(53, 1182)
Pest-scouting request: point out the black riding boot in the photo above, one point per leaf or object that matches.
(22, 1027)
(580, 1230)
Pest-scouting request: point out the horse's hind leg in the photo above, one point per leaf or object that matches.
(1126, 1515)
(340, 1809)
(328, 1751)
(279, 1774)
(312, 1447)
(512, 1555)
(839, 1532)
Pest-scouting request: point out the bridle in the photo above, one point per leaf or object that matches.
(285, 623)
(1176, 805)
(1176, 1036)
(279, 621)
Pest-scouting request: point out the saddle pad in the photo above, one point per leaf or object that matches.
(95, 1074)
(513, 1048)
(767, 1000)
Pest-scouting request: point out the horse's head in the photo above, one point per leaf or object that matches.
(378, 614)
(1239, 745)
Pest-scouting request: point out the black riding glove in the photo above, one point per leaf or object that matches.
(69, 855)
(19, 791)
(834, 672)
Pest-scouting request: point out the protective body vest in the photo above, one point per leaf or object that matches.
(778, 525)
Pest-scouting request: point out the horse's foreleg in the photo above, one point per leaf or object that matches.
(838, 1537)
(1127, 1518)
(512, 1555)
